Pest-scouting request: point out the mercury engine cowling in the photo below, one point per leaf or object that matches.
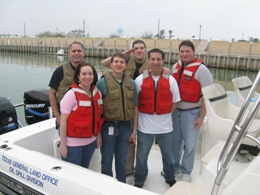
(8, 116)
(36, 105)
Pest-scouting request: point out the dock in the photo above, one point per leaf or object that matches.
(219, 54)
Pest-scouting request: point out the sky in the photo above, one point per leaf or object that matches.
(209, 19)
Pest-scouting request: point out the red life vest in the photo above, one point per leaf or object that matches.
(87, 119)
(152, 100)
(189, 87)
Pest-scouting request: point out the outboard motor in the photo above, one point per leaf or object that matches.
(36, 105)
(8, 116)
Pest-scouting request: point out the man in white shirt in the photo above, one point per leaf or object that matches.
(158, 95)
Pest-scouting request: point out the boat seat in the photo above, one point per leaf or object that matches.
(55, 146)
(95, 163)
(242, 86)
(221, 114)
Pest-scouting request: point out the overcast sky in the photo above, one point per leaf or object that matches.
(219, 19)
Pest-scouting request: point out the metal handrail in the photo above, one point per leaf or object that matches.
(253, 139)
(22, 104)
(227, 155)
(19, 105)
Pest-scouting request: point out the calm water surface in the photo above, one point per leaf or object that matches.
(20, 72)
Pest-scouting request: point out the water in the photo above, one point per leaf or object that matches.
(20, 72)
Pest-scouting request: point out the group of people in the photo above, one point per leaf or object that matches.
(135, 103)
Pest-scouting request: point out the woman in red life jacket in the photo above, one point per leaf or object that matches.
(81, 117)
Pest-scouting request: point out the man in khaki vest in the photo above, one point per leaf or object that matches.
(135, 66)
(120, 110)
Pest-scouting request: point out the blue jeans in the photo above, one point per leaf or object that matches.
(80, 155)
(186, 134)
(144, 144)
(116, 144)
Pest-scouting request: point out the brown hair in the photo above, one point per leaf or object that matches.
(138, 41)
(78, 70)
(187, 43)
(120, 55)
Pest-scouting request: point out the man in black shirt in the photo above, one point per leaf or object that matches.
(62, 77)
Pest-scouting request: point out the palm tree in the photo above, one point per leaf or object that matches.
(170, 34)
(161, 33)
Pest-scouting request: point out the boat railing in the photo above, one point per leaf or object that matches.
(22, 104)
(16, 106)
(236, 136)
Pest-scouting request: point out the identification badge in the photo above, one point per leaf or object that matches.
(110, 130)
(187, 72)
(175, 71)
(85, 103)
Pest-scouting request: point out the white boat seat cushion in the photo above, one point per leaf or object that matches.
(242, 86)
(221, 114)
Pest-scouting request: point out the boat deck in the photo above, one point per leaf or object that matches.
(155, 182)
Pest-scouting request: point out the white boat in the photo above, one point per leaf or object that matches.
(30, 161)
